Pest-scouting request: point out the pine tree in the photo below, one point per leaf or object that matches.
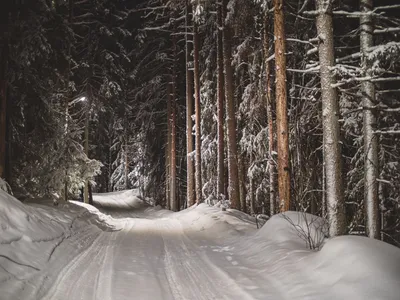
(3, 106)
(330, 117)
(281, 108)
(271, 131)
(220, 105)
(199, 197)
(189, 111)
(233, 172)
(173, 198)
(370, 124)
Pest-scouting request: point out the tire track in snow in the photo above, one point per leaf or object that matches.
(231, 266)
(156, 259)
(73, 278)
(104, 278)
(138, 263)
(189, 273)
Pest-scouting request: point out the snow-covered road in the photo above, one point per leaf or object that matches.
(154, 258)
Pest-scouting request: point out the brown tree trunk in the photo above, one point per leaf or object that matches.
(198, 112)
(281, 108)
(168, 150)
(189, 112)
(220, 107)
(271, 129)
(66, 125)
(233, 172)
(330, 122)
(86, 147)
(252, 197)
(174, 202)
(3, 108)
(242, 182)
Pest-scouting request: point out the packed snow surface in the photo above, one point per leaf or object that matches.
(125, 249)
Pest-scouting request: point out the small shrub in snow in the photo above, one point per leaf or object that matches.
(312, 229)
(4, 186)
(261, 220)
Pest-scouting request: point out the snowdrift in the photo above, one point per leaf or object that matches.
(293, 250)
(32, 236)
(129, 199)
(222, 224)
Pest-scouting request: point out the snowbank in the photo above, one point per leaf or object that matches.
(346, 267)
(212, 220)
(300, 230)
(294, 252)
(129, 199)
(31, 239)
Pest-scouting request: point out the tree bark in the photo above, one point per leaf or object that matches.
(330, 124)
(86, 147)
(90, 194)
(189, 112)
(281, 108)
(168, 150)
(126, 158)
(174, 202)
(220, 106)
(233, 172)
(242, 183)
(66, 125)
(3, 109)
(371, 162)
(241, 159)
(252, 197)
(271, 129)
(197, 112)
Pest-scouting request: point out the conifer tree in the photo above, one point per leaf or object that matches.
(281, 107)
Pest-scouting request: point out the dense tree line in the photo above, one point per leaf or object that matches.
(262, 106)
(285, 121)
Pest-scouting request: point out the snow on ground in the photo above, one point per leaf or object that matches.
(125, 249)
(37, 241)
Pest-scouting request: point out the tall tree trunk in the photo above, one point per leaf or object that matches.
(252, 196)
(90, 195)
(323, 187)
(66, 125)
(241, 159)
(220, 106)
(86, 147)
(168, 150)
(126, 158)
(174, 202)
(371, 163)
(197, 109)
(189, 112)
(330, 124)
(281, 108)
(3, 108)
(110, 161)
(233, 172)
(271, 130)
(242, 183)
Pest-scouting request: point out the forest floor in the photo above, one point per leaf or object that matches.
(125, 249)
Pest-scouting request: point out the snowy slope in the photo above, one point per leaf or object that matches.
(126, 249)
(37, 241)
